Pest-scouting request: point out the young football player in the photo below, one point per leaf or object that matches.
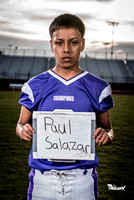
(82, 92)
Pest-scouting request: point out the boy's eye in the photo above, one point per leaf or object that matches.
(59, 43)
(74, 42)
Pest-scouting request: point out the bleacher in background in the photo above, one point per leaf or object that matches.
(25, 67)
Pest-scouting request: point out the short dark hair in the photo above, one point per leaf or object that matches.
(67, 21)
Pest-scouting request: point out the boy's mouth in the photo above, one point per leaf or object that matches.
(66, 58)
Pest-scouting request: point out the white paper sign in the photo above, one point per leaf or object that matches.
(65, 135)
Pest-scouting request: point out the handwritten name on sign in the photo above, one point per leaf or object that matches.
(63, 136)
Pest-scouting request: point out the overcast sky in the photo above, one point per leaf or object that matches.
(25, 23)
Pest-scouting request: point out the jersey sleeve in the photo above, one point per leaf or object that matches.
(105, 100)
(27, 98)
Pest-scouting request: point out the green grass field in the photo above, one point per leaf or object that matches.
(116, 160)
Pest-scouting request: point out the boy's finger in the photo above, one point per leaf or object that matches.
(30, 128)
(97, 131)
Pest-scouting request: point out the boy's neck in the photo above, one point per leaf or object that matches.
(67, 73)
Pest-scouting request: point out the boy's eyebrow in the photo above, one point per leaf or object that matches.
(69, 39)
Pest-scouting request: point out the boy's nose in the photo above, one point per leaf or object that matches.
(66, 48)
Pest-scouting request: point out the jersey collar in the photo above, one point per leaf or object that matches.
(67, 82)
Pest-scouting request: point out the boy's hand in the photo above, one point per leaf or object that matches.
(25, 132)
(102, 136)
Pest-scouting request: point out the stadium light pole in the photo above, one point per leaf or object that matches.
(10, 46)
(112, 43)
(106, 44)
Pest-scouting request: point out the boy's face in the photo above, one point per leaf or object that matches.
(67, 45)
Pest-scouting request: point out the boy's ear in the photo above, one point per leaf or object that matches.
(83, 44)
(51, 43)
